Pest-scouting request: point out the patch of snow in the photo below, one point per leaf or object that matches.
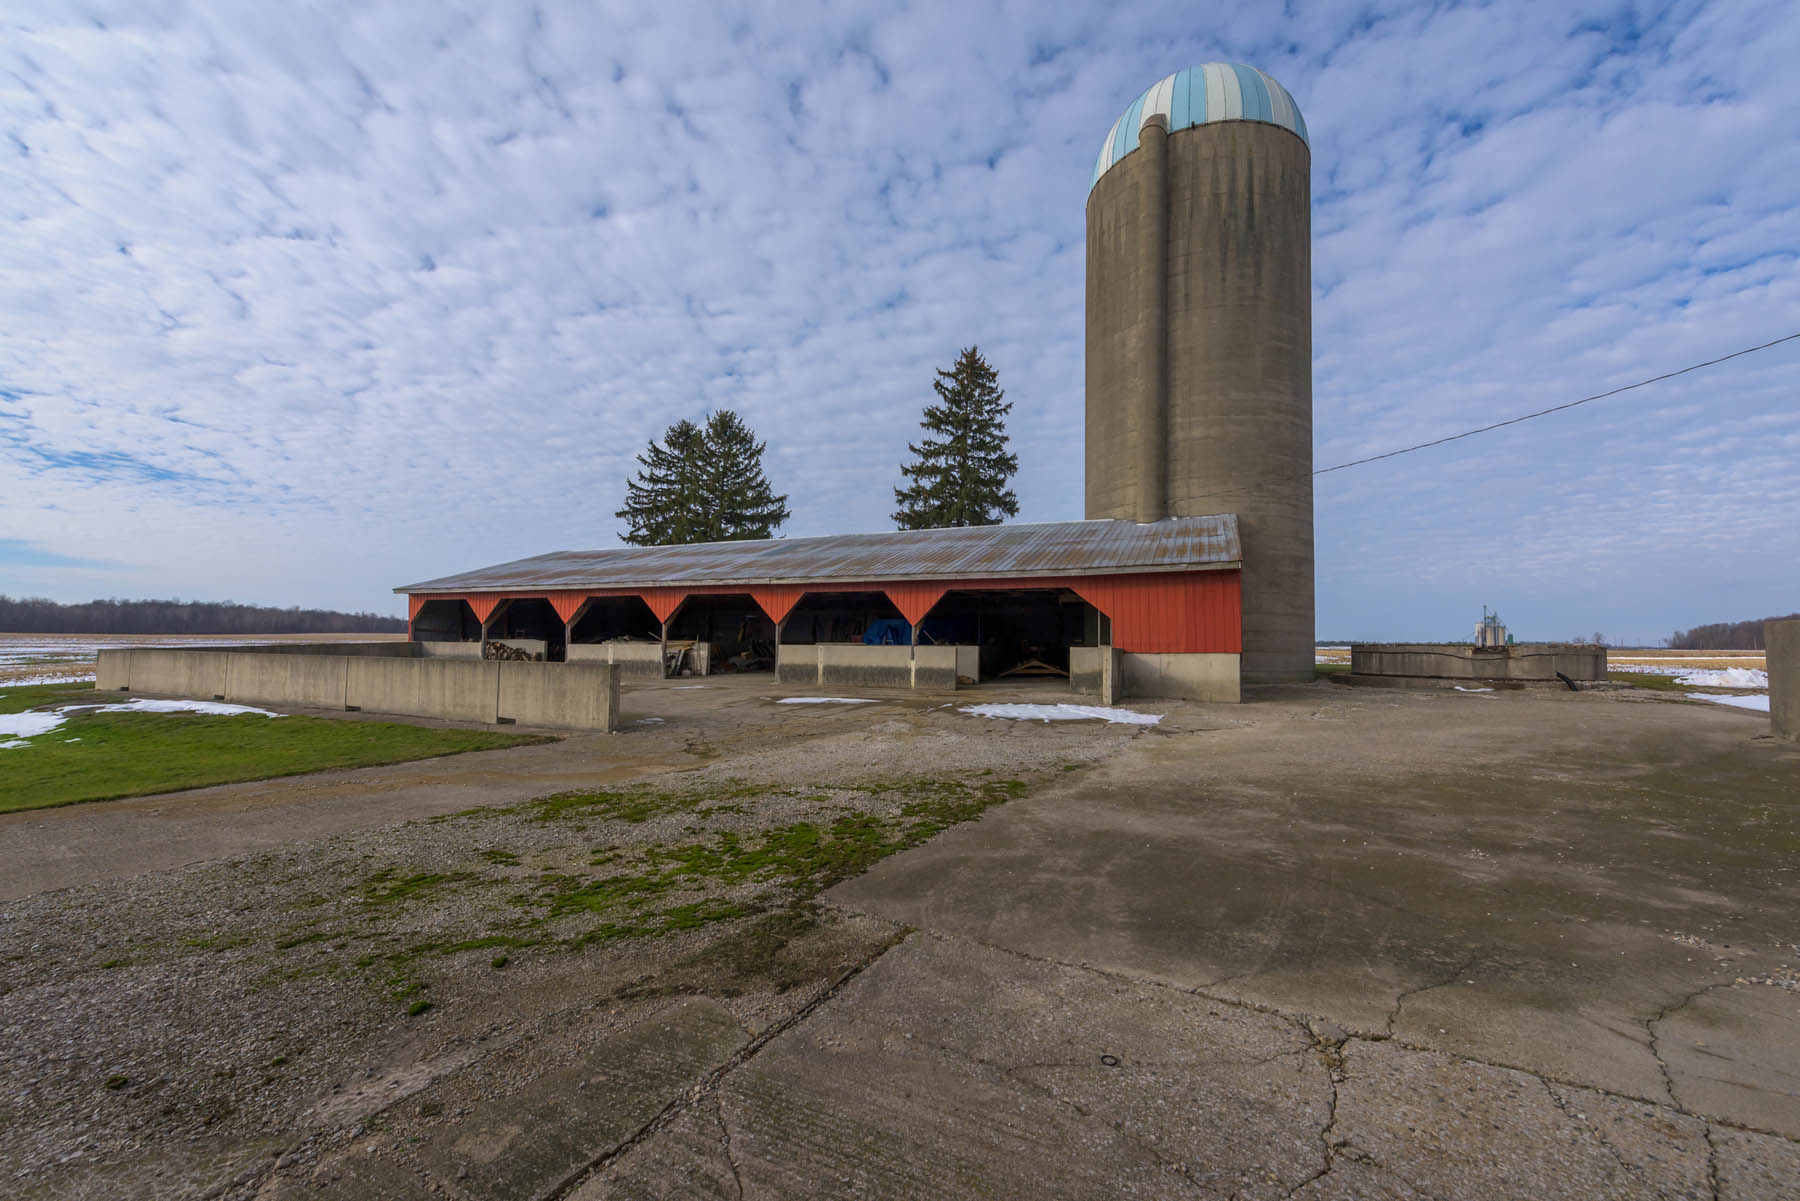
(28, 681)
(1731, 677)
(1460, 688)
(15, 726)
(1758, 703)
(1701, 677)
(685, 687)
(649, 721)
(1064, 713)
(146, 705)
(824, 700)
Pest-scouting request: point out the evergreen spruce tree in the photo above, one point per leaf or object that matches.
(960, 471)
(702, 485)
(662, 505)
(739, 504)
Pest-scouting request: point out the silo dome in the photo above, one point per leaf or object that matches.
(1198, 96)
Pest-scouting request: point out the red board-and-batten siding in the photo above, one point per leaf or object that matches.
(1182, 612)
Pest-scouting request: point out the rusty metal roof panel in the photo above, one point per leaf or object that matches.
(1047, 549)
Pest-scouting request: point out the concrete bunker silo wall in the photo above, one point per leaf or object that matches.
(1199, 359)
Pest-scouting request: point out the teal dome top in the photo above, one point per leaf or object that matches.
(1196, 96)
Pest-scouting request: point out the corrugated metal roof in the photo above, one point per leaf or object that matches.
(1198, 96)
(1052, 548)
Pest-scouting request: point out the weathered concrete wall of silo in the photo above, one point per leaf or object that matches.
(1199, 348)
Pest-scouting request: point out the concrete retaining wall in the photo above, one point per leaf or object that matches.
(316, 681)
(1782, 639)
(560, 695)
(196, 674)
(453, 689)
(1175, 676)
(968, 665)
(796, 664)
(390, 650)
(1525, 662)
(636, 659)
(1086, 668)
(447, 650)
(935, 666)
(1098, 671)
(575, 696)
(868, 666)
(851, 663)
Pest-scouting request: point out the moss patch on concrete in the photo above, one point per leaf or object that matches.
(509, 888)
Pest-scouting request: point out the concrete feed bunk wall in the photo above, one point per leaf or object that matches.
(1782, 638)
(1525, 663)
(574, 696)
(638, 659)
(1199, 359)
(826, 664)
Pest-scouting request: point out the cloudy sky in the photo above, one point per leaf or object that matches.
(300, 302)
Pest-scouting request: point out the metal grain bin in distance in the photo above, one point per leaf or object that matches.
(1199, 335)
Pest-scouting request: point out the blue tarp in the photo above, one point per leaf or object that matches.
(887, 631)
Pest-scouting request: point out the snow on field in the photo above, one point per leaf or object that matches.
(26, 650)
(17, 727)
(28, 681)
(1702, 677)
(824, 700)
(1731, 677)
(1759, 703)
(1064, 713)
(146, 705)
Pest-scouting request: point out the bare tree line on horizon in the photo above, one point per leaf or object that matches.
(1723, 636)
(38, 615)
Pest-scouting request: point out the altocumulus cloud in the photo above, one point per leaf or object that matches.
(302, 302)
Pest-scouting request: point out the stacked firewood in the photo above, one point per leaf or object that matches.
(510, 654)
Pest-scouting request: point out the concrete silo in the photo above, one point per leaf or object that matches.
(1199, 335)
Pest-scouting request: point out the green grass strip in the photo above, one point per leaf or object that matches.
(116, 755)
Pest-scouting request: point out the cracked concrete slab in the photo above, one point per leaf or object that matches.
(1755, 1167)
(952, 1070)
(528, 1143)
(686, 1160)
(533, 1139)
(1734, 1050)
(1527, 882)
(1419, 1123)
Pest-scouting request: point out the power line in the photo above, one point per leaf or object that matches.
(1405, 450)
